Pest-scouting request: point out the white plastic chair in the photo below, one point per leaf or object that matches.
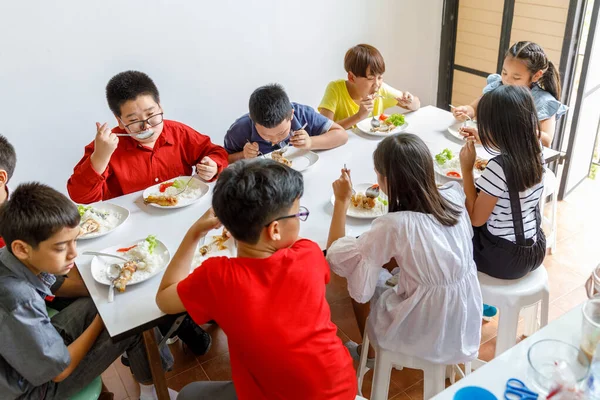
(510, 297)
(550, 189)
(434, 374)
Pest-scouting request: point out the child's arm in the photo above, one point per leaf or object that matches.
(470, 110)
(167, 298)
(88, 182)
(547, 126)
(81, 346)
(365, 108)
(480, 206)
(209, 158)
(334, 137)
(342, 189)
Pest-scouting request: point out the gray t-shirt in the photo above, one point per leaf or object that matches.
(32, 352)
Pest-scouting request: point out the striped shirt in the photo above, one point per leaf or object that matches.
(500, 222)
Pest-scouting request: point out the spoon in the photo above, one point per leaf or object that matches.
(97, 253)
(375, 123)
(112, 272)
(351, 185)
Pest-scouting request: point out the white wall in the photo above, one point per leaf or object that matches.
(206, 58)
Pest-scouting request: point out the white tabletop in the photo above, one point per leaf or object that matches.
(137, 307)
(513, 363)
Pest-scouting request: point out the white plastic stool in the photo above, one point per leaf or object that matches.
(434, 374)
(510, 296)
(550, 189)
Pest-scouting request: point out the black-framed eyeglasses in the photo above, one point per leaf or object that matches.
(138, 126)
(302, 215)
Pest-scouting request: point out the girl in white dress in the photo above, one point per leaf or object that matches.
(434, 311)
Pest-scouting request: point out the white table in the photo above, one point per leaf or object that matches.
(136, 309)
(513, 363)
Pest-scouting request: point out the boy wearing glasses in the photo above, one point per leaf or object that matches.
(270, 299)
(274, 122)
(144, 149)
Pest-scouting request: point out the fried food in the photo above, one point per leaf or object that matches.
(125, 276)
(278, 156)
(481, 164)
(218, 242)
(165, 201)
(360, 200)
(89, 226)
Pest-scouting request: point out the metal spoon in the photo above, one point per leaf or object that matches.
(284, 148)
(141, 135)
(97, 253)
(112, 272)
(352, 186)
(375, 123)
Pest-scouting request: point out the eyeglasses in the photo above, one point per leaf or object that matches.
(139, 126)
(302, 216)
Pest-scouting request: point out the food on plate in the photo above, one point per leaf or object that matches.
(481, 164)
(94, 220)
(126, 275)
(449, 164)
(142, 260)
(390, 123)
(218, 242)
(360, 200)
(277, 155)
(165, 201)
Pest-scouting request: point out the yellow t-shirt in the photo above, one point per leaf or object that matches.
(337, 100)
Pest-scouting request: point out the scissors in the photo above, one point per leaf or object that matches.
(515, 389)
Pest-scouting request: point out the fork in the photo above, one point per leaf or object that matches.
(259, 153)
(351, 185)
(185, 187)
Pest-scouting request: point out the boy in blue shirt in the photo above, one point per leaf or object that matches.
(43, 358)
(273, 122)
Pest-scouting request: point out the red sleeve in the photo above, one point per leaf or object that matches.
(86, 185)
(195, 292)
(2, 244)
(200, 146)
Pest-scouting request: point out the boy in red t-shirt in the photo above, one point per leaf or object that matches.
(149, 149)
(270, 299)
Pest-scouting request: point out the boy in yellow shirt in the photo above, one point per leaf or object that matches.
(363, 94)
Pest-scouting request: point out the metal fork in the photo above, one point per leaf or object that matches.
(259, 153)
(351, 185)
(185, 187)
(283, 149)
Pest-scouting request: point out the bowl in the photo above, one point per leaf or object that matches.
(549, 358)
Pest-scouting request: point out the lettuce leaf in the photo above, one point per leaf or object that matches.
(151, 239)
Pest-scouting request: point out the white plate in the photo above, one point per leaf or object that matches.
(183, 201)
(121, 212)
(100, 263)
(301, 159)
(365, 127)
(453, 130)
(361, 212)
(230, 251)
(442, 172)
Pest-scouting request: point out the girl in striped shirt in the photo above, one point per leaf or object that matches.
(508, 241)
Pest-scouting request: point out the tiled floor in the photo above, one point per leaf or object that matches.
(568, 268)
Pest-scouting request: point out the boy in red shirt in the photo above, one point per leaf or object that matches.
(148, 149)
(270, 300)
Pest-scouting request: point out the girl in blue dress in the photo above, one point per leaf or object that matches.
(525, 64)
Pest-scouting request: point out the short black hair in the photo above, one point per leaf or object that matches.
(34, 213)
(8, 157)
(127, 86)
(269, 105)
(251, 193)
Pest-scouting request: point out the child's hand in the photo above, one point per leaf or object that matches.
(251, 150)
(105, 143)
(301, 140)
(206, 223)
(468, 155)
(469, 132)
(207, 168)
(342, 188)
(405, 100)
(461, 113)
(365, 107)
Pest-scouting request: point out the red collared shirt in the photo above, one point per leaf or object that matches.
(134, 167)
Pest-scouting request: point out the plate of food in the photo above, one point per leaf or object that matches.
(454, 130)
(174, 193)
(363, 206)
(447, 164)
(298, 159)
(388, 125)
(147, 258)
(100, 219)
(216, 243)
